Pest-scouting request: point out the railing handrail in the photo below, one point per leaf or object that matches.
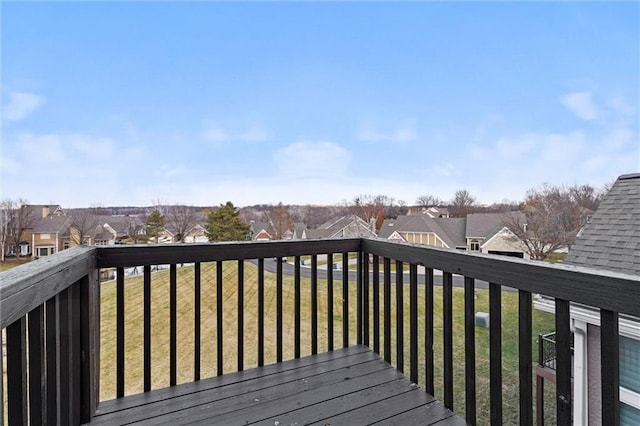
(161, 254)
(613, 291)
(72, 276)
(27, 286)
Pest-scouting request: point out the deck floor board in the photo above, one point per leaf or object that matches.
(346, 386)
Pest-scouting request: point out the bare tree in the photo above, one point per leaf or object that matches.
(133, 228)
(17, 217)
(180, 219)
(83, 226)
(586, 196)
(552, 219)
(281, 221)
(368, 206)
(428, 201)
(462, 203)
(7, 211)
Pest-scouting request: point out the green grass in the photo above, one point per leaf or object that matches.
(542, 322)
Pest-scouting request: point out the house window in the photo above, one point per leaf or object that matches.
(475, 245)
(45, 236)
(629, 381)
(24, 249)
(12, 249)
(42, 251)
(65, 245)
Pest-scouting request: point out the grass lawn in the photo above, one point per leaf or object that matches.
(543, 322)
(8, 264)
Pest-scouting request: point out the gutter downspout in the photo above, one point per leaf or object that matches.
(580, 385)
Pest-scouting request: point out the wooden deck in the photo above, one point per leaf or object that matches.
(350, 386)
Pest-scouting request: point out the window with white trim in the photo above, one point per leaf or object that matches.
(629, 381)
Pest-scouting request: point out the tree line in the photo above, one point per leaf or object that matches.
(553, 214)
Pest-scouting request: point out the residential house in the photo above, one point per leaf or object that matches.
(33, 213)
(298, 230)
(424, 229)
(482, 232)
(195, 234)
(50, 235)
(609, 241)
(261, 231)
(349, 226)
(123, 227)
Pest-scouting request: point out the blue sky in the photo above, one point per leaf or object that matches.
(125, 103)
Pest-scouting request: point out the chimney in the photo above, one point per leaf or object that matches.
(372, 224)
(45, 211)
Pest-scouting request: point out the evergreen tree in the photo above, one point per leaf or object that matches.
(224, 224)
(155, 224)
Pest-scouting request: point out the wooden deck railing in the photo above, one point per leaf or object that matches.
(51, 312)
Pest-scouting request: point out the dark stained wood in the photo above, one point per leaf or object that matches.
(336, 387)
(75, 354)
(387, 309)
(138, 400)
(376, 304)
(345, 302)
(428, 330)
(314, 304)
(52, 343)
(495, 353)
(363, 258)
(360, 301)
(330, 301)
(447, 337)
(399, 318)
(525, 359)
(37, 366)
(296, 308)
(279, 312)
(219, 319)
(579, 284)
(470, 350)
(89, 335)
(147, 327)
(563, 363)
(413, 322)
(260, 312)
(17, 371)
(240, 344)
(159, 254)
(196, 321)
(23, 289)
(119, 332)
(610, 367)
(65, 361)
(30, 285)
(393, 406)
(173, 324)
(539, 398)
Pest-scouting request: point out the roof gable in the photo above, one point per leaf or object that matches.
(611, 239)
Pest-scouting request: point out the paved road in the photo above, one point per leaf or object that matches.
(288, 269)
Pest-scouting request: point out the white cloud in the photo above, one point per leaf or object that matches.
(218, 135)
(20, 105)
(581, 104)
(446, 169)
(304, 159)
(41, 149)
(91, 147)
(403, 134)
